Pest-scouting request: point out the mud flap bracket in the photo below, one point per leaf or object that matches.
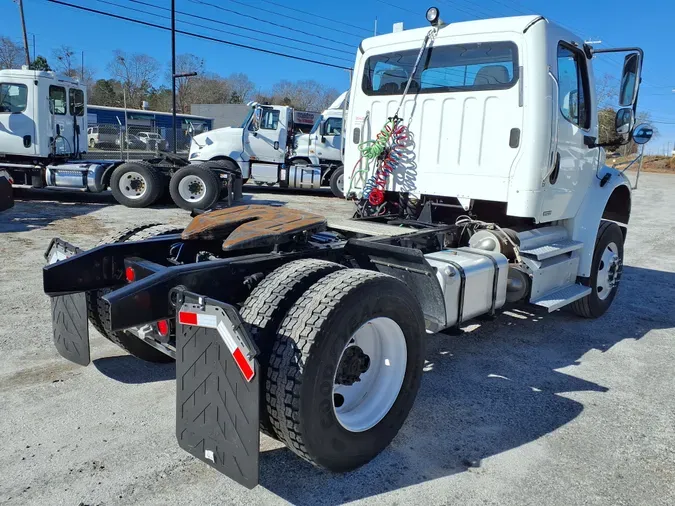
(218, 389)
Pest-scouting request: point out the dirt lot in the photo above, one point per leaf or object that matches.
(528, 409)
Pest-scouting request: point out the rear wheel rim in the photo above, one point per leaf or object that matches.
(370, 374)
(341, 183)
(609, 271)
(133, 185)
(192, 188)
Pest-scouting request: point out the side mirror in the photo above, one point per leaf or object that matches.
(191, 129)
(630, 80)
(623, 124)
(574, 105)
(257, 118)
(642, 133)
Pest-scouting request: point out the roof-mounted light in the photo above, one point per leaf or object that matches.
(433, 16)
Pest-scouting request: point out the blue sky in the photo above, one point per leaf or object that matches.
(615, 22)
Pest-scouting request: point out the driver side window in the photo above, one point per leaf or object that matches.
(270, 119)
(333, 126)
(572, 86)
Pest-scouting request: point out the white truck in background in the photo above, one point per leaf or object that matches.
(44, 133)
(268, 149)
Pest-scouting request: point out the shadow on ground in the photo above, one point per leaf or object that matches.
(484, 392)
(38, 208)
(128, 369)
(487, 391)
(255, 189)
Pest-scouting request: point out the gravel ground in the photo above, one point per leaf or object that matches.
(530, 408)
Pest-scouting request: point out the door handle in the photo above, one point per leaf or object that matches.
(276, 144)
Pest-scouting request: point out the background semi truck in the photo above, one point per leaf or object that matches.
(44, 132)
(477, 169)
(268, 148)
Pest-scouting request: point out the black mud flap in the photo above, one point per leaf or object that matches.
(217, 390)
(71, 328)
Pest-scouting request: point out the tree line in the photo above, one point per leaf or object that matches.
(134, 77)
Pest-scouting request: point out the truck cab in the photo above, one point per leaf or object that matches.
(42, 116)
(263, 148)
(323, 144)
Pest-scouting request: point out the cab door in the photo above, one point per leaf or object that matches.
(329, 144)
(265, 135)
(576, 157)
(17, 128)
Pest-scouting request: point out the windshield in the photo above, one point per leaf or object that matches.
(248, 118)
(316, 124)
(460, 67)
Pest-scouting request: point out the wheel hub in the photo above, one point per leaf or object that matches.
(353, 364)
(195, 187)
(609, 271)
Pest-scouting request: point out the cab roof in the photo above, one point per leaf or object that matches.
(26, 73)
(507, 24)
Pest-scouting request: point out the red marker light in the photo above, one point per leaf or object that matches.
(130, 274)
(163, 327)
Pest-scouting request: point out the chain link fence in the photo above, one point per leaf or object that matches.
(108, 141)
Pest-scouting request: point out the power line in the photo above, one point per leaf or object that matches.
(199, 36)
(222, 31)
(317, 16)
(219, 22)
(270, 22)
(296, 19)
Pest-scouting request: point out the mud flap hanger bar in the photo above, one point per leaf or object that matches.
(217, 386)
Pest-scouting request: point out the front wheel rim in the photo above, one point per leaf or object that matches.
(133, 185)
(192, 188)
(609, 271)
(369, 374)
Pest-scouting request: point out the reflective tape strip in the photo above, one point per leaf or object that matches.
(246, 366)
(197, 319)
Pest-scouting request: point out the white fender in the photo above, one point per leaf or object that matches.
(584, 226)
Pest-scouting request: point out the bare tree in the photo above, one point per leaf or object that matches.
(136, 72)
(11, 54)
(306, 95)
(65, 62)
(242, 88)
(185, 64)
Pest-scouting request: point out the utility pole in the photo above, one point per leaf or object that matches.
(25, 35)
(376, 25)
(173, 71)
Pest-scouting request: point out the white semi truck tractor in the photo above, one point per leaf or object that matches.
(268, 148)
(473, 158)
(43, 135)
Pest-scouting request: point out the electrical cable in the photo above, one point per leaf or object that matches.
(217, 21)
(199, 36)
(297, 19)
(222, 31)
(270, 22)
(317, 16)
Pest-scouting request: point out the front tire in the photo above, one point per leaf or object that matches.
(195, 187)
(605, 272)
(136, 184)
(336, 337)
(337, 182)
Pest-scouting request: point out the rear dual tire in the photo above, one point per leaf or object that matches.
(137, 184)
(195, 187)
(98, 316)
(307, 367)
